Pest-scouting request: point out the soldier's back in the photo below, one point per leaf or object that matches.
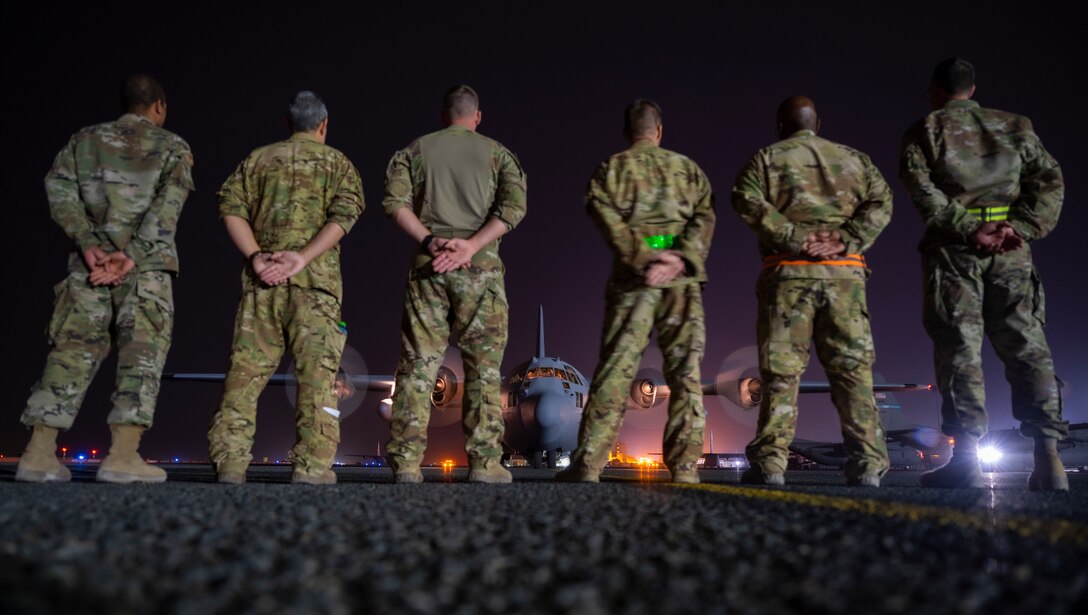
(653, 186)
(975, 155)
(814, 180)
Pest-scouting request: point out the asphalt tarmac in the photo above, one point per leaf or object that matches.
(632, 544)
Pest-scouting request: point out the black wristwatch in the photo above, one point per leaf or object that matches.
(426, 243)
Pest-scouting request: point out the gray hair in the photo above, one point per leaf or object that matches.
(306, 111)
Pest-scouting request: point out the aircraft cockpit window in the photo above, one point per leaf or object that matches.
(562, 375)
(573, 377)
(531, 374)
(547, 372)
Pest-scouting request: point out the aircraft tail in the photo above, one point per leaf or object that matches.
(540, 334)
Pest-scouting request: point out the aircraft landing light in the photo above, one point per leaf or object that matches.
(989, 454)
(1051, 530)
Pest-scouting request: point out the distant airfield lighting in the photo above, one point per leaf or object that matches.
(94, 453)
(81, 457)
(447, 466)
(989, 454)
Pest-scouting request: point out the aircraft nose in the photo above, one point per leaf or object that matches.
(543, 411)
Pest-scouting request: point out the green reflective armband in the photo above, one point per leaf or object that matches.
(660, 242)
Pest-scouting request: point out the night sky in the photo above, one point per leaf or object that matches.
(553, 82)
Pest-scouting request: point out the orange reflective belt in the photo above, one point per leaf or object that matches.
(847, 260)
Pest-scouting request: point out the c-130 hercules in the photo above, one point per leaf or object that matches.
(542, 399)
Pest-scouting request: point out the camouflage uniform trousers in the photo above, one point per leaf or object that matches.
(630, 317)
(968, 296)
(474, 302)
(141, 312)
(270, 321)
(793, 313)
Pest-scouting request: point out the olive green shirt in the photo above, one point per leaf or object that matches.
(455, 180)
(288, 192)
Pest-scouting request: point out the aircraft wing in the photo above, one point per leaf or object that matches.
(881, 387)
(370, 383)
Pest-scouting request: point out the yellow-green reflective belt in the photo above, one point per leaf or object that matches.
(660, 242)
(990, 214)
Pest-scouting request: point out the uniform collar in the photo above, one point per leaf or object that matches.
(303, 136)
(643, 144)
(803, 133)
(134, 117)
(457, 128)
(961, 104)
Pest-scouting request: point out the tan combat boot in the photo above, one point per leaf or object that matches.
(39, 462)
(408, 477)
(488, 470)
(1049, 472)
(124, 464)
(577, 473)
(690, 477)
(961, 472)
(232, 472)
(328, 477)
(755, 475)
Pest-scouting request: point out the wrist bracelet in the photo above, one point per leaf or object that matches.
(426, 243)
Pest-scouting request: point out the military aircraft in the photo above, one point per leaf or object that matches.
(543, 398)
(1006, 450)
(912, 446)
(909, 446)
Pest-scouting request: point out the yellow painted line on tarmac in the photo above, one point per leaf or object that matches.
(1058, 531)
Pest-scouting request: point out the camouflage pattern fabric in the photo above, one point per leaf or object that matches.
(962, 158)
(799, 185)
(965, 157)
(288, 191)
(806, 184)
(120, 186)
(969, 297)
(141, 313)
(455, 180)
(475, 301)
(833, 314)
(270, 321)
(630, 316)
(646, 191)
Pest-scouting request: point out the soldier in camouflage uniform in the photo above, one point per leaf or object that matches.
(986, 189)
(656, 211)
(117, 190)
(286, 207)
(815, 206)
(455, 192)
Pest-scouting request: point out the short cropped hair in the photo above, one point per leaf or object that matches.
(642, 117)
(460, 101)
(140, 92)
(954, 76)
(306, 111)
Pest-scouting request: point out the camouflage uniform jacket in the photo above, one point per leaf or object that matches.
(121, 185)
(288, 192)
(965, 157)
(454, 180)
(647, 191)
(803, 184)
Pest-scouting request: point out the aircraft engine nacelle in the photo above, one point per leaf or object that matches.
(446, 387)
(643, 393)
(744, 392)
